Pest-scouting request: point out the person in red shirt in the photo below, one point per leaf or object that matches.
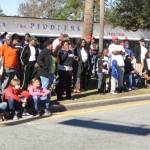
(16, 97)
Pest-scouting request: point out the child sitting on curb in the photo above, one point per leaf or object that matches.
(40, 96)
(16, 98)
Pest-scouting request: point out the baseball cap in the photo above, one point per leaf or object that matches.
(114, 38)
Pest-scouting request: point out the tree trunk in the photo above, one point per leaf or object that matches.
(101, 34)
(88, 18)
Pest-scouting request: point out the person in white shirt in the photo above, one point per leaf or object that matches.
(117, 53)
(143, 53)
(82, 66)
(28, 58)
(140, 51)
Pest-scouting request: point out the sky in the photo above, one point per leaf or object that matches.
(10, 7)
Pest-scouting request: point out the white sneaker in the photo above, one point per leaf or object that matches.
(15, 118)
(47, 113)
(26, 115)
(129, 89)
(114, 93)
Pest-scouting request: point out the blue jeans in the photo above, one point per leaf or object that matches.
(14, 105)
(41, 102)
(47, 82)
(128, 79)
(11, 104)
(136, 79)
(100, 79)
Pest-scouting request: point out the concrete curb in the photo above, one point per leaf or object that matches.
(81, 105)
(95, 103)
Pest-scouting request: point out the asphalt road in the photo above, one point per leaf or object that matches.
(117, 127)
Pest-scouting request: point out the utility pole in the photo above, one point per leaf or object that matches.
(101, 33)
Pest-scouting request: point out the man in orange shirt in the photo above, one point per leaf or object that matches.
(10, 59)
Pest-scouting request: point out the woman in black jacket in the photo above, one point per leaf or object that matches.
(44, 65)
(82, 66)
(28, 58)
(65, 66)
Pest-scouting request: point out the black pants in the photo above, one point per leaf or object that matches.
(8, 76)
(84, 77)
(29, 72)
(64, 84)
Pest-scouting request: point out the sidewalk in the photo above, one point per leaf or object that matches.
(90, 98)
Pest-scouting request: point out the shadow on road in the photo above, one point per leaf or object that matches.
(108, 127)
(55, 107)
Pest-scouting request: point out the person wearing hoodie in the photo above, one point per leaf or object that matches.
(114, 77)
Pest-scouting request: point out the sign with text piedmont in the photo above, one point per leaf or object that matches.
(53, 28)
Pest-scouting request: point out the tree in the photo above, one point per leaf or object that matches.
(132, 15)
(72, 10)
(88, 17)
(40, 8)
(58, 9)
(1, 12)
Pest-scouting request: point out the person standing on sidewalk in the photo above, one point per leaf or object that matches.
(117, 53)
(140, 51)
(82, 66)
(65, 66)
(10, 59)
(102, 68)
(45, 69)
(28, 58)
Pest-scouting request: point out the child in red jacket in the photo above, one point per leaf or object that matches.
(16, 97)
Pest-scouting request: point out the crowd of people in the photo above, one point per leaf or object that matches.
(28, 72)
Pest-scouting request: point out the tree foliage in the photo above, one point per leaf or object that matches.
(132, 15)
(72, 10)
(58, 9)
(1, 12)
(40, 8)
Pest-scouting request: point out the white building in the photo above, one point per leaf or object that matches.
(52, 28)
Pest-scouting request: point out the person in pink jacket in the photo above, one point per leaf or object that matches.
(40, 96)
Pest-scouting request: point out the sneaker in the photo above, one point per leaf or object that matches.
(130, 89)
(47, 113)
(114, 93)
(15, 118)
(27, 115)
